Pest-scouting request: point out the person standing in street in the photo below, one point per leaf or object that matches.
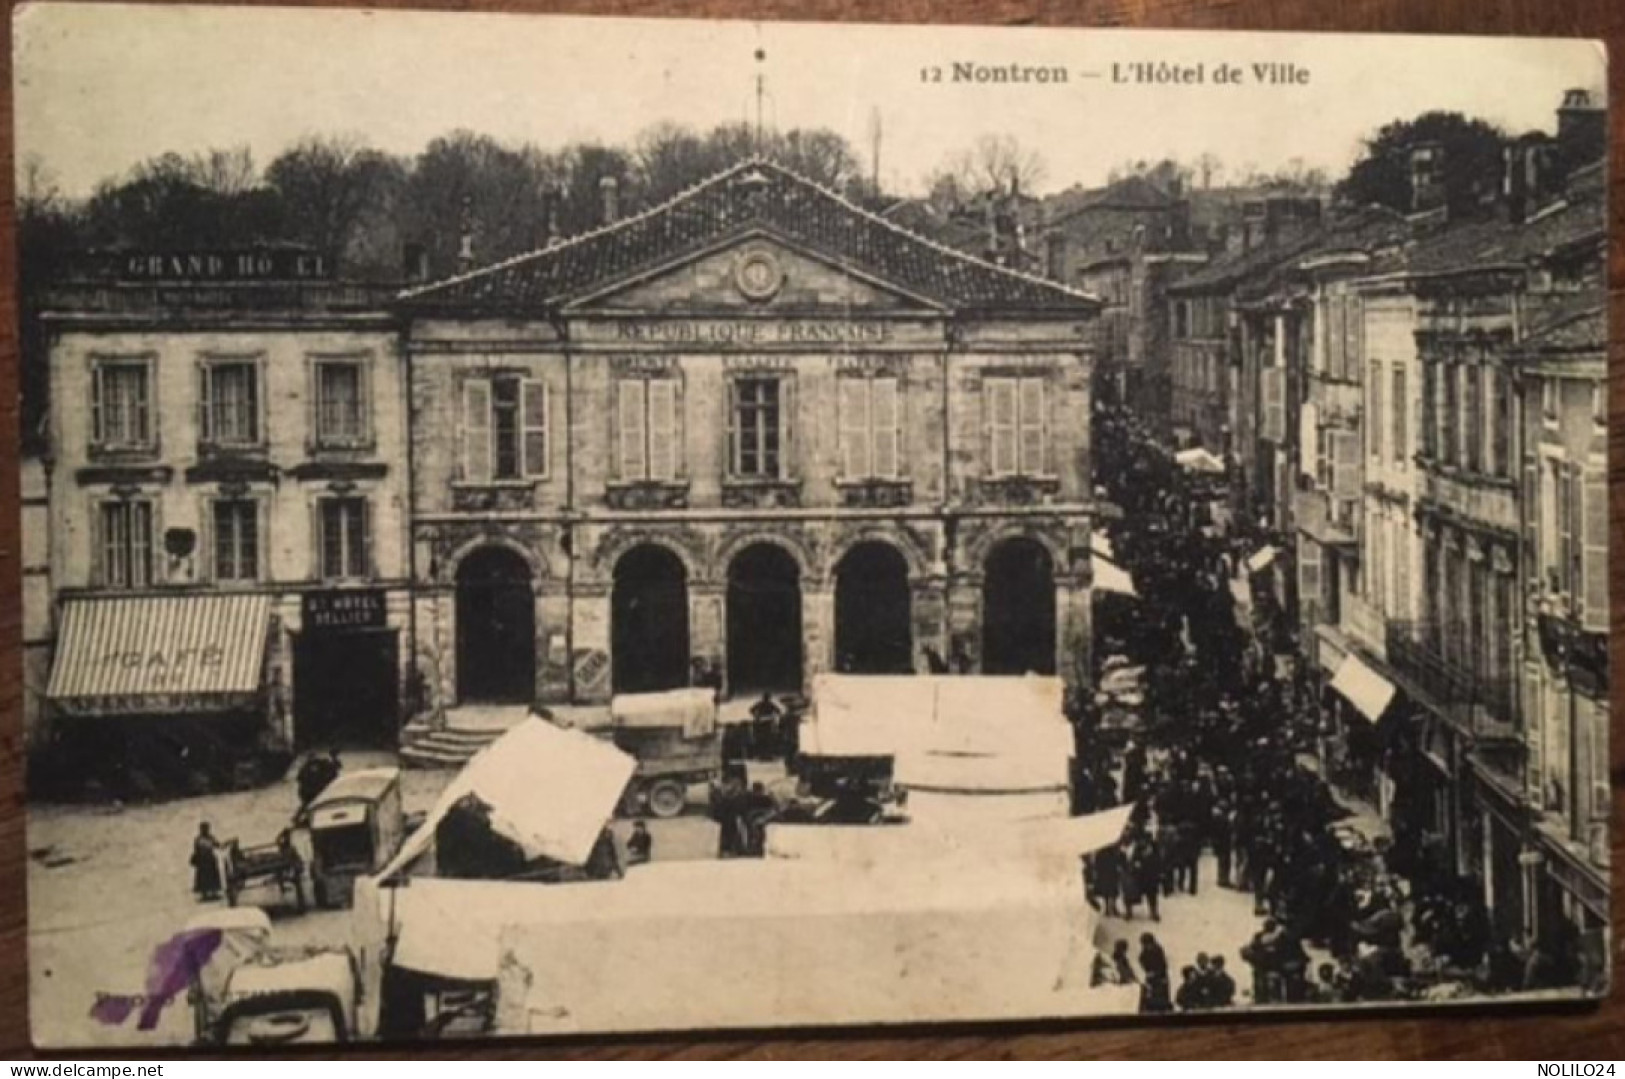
(205, 864)
(1154, 989)
(639, 845)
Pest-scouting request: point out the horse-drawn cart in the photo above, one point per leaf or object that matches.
(276, 863)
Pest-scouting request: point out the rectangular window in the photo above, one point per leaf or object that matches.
(1550, 394)
(341, 403)
(757, 428)
(343, 538)
(1472, 418)
(1430, 409)
(1500, 452)
(126, 544)
(1014, 415)
(504, 429)
(868, 423)
(1561, 565)
(236, 540)
(1500, 626)
(1401, 432)
(647, 437)
(121, 404)
(229, 406)
(1448, 433)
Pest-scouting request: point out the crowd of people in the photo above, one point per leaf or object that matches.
(1216, 767)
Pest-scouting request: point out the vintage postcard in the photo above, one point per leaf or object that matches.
(544, 525)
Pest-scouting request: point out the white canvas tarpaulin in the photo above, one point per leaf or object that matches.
(694, 710)
(1198, 459)
(550, 790)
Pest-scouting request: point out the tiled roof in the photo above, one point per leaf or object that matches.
(1572, 323)
(1229, 270)
(1577, 218)
(1129, 193)
(753, 196)
(1369, 230)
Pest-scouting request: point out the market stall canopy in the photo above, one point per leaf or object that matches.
(1363, 687)
(1197, 459)
(994, 734)
(1261, 558)
(550, 790)
(159, 654)
(694, 710)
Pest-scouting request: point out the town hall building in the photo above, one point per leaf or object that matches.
(753, 430)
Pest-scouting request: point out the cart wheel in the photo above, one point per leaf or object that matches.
(667, 797)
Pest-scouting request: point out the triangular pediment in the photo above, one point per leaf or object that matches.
(758, 273)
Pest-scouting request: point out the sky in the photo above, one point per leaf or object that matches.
(101, 87)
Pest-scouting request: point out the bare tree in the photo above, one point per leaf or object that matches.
(994, 163)
(327, 184)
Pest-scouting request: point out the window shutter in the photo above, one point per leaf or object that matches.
(1346, 464)
(1533, 514)
(477, 430)
(1594, 565)
(533, 447)
(786, 389)
(1534, 726)
(205, 404)
(1309, 587)
(1030, 410)
(1309, 440)
(662, 429)
(853, 403)
(1274, 404)
(98, 434)
(999, 417)
(368, 567)
(318, 552)
(632, 437)
(885, 419)
(1566, 532)
(732, 418)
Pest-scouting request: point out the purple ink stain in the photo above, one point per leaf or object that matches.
(175, 963)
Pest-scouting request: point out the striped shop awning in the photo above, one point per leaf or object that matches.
(154, 654)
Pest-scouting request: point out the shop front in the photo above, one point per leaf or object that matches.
(345, 677)
(154, 695)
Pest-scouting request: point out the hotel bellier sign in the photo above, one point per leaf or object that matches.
(354, 608)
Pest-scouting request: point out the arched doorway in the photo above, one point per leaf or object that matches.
(496, 628)
(764, 621)
(649, 621)
(873, 629)
(1018, 609)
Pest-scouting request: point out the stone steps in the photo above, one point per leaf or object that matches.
(450, 746)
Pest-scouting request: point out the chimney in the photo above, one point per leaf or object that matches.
(550, 218)
(465, 243)
(1427, 177)
(609, 191)
(1582, 128)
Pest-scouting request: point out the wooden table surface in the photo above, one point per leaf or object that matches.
(1554, 1034)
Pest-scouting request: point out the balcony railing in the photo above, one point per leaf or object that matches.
(1446, 670)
